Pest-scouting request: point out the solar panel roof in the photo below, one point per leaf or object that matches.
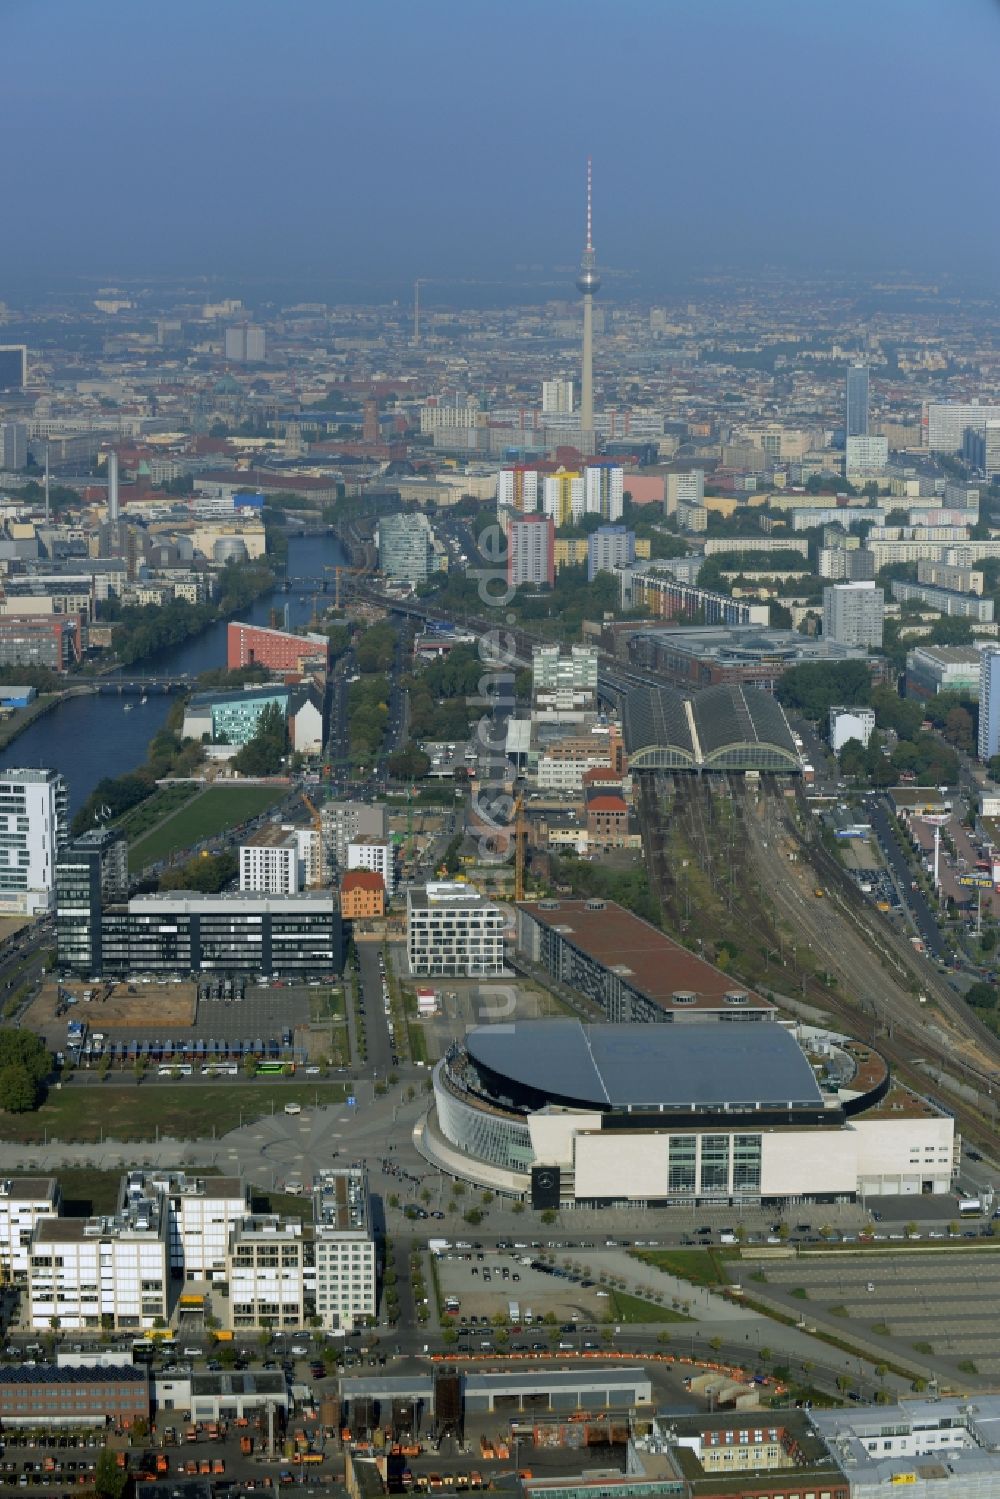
(705, 1065)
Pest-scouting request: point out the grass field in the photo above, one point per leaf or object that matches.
(625, 1308)
(218, 808)
(186, 1111)
(700, 1266)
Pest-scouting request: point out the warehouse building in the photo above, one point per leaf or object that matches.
(50, 1395)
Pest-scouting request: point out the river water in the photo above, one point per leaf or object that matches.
(90, 737)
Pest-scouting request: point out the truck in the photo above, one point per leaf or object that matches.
(513, 1312)
(967, 1206)
(438, 1246)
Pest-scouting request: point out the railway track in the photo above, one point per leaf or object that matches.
(877, 975)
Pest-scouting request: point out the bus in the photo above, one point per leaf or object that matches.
(274, 1069)
(969, 1207)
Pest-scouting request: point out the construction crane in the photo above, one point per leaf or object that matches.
(338, 571)
(520, 847)
(316, 880)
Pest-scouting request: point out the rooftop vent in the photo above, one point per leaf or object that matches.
(684, 997)
(737, 997)
(548, 905)
(595, 905)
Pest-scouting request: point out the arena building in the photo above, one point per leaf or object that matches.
(565, 1114)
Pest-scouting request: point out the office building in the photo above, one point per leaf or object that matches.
(369, 421)
(557, 396)
(517, 488)
(945, 1448)
(13, 445)
(109, 1271)
(866, 456)
(989, 703)
(343, 1250)
(948, 421)
(344, 821)
(24, 1201)
(696, 656)
(563, 682)
(34, 827)
(406, 551)
(850, 723)
(232, 717)
(688, 487)
(853, 614)
(451, 932)
(277, 650)
(608, 548)
(375, 855)
(531, 551)
(246, 344)
(52, 640)
(91, 873)
(604, 491)
(856, 406)
(201, 1213)
(931, 669)
(13, 366)
(266, 1268)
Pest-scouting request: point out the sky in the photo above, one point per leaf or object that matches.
(388, 140)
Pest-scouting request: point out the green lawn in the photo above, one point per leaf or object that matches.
(220, 807)
(700, 1266)
(625, 1308)
(187, 1110)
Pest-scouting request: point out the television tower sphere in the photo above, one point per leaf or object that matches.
(588, 281)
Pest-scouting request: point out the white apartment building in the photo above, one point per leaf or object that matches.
(557, 396)
(688, 488)
(267, 1273)
(947, 422)
(564, 775)
(111, 1272)
(866, 455)
(853, 613)
(34, 826)
(343, 821)
(374, 854)
(563, 497)
(604, 491)
(269, 862)
(517, 488)
(343, 1250)
(24, 1201)
(850, 723)
(451, 932)
(989, 703)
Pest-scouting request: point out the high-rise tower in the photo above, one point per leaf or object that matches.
(856, 415)
(588, 283)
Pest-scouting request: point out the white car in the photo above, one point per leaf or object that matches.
(313, 1071)
(298, 1350)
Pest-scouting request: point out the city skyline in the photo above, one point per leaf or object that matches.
(257, 140)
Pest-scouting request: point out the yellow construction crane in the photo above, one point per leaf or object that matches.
(316, 882)
(338, 572)
(520, 847)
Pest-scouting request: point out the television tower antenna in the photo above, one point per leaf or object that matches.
(588, 283)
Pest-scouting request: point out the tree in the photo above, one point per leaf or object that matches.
(262, 755)
(109, 1480)
(18, 1089)
(981, 996)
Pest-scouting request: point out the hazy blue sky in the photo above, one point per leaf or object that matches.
(394, 138)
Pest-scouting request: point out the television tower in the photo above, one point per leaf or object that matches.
(588, 282)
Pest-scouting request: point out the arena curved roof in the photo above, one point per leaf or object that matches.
(730, 727)
(694, 1066)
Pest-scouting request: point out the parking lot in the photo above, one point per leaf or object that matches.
(940, 1305)
(486, 1281)
(167, 1024)
(465, 1002)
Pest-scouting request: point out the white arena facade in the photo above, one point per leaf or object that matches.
(562, 1114)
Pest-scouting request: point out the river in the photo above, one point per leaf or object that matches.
(87, 738)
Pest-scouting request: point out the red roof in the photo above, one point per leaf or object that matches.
(606, 804)
(362, 879)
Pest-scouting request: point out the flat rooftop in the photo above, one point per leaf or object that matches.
(648, 1066)
(643, 957)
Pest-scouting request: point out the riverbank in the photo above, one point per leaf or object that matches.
(23, 718)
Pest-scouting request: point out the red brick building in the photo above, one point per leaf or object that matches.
(278, 650)
(607, 821)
